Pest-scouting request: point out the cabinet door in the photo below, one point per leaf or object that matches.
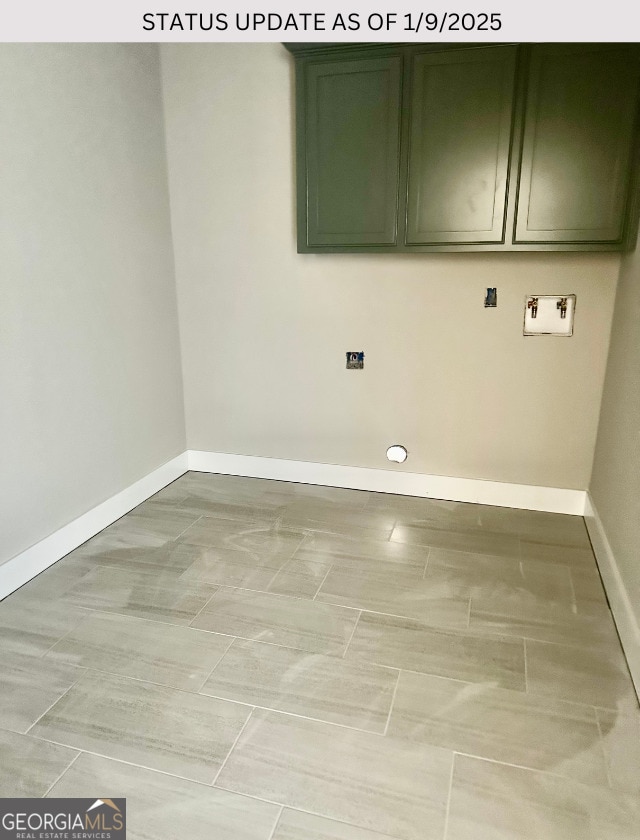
(460, 134)
(577, 143)
(352, 145)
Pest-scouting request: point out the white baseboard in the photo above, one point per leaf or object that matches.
(619, 600)
(21, 568)
(529, 497)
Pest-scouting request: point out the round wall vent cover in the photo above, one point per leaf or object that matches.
(397, 453)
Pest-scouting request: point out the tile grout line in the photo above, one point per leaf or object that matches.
(276, 823)
(274, 802)
(202, 608)
(184, 530)
(301, 810)
(83, 671)
(426, 563)
(574, 602)
(295, 715)
(275, 575)
(68, 767)
(545, 772)
(233, 746)
(393, 699)
(603, 751)
(208, 677)
(273, 594)
(331, 565)
(448, 809)
(71, 630)
(138, 766)
(353, 632)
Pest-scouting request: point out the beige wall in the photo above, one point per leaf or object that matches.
(91, 396)
(615, 482)
(265, 330)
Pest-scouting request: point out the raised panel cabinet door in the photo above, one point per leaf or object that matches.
(582, 103)
(460, 137)
(352, 145)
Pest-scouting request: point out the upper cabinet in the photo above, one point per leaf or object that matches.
(421, 148)
(459, 133)
(577, 145)
(352, 146)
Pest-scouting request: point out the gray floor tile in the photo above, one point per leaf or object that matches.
(158, 596)
(341, 497)
(296, 825)
(225, 509)
(54, 581)
(167, 559)
(480, 542)
(364, 554)
(180, 657)
(588, 589)
(259, 542)
(484, 576)
(231, 567)
(522, 613)
(29, 686)
(438, 603)
(553, 528)
(299, 577)
(292, 622)
(499, 724)
(381, 784)
(621, 739)
(160, 521)
(228, 489)
(28, 767)
(598, 676)
(157, 727)
(329, 518)
(310, 684)
(414, 646)
(161, 807)
(31, 625)
(212, 551)
(497, 802)
(444, 515)
(476, 568)
(569, 555)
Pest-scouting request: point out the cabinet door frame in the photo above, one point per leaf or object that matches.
(464, 54)
(522, 236)
(306, 73)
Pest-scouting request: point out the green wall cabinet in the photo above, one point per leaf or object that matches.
(577, 144)
(353, 143)
(460, 115)
(466, 148)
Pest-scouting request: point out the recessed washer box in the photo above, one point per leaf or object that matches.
(549, 315)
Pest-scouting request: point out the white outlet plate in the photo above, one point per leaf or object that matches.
(548, 320)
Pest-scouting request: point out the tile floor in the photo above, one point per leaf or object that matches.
(246, 659)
